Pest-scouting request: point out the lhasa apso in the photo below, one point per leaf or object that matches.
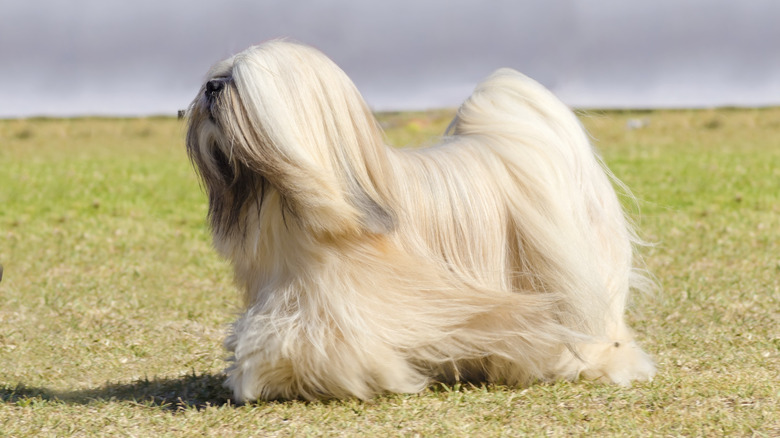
(500, 255)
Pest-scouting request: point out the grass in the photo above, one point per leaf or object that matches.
(113, 304)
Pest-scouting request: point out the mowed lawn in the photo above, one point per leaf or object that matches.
(113, 305)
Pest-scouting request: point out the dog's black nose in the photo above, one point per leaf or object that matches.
(214, 86)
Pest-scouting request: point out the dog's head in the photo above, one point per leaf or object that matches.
(283, 117)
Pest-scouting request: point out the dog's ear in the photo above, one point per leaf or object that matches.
(375, 217)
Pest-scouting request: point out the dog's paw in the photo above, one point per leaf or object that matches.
(620, 363)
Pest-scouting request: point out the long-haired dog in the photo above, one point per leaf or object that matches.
(500, 255)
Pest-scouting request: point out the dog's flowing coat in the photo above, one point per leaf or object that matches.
(501, 254)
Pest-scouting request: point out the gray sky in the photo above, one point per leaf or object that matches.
(110, 57)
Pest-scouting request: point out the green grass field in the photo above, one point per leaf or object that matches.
(113, 305)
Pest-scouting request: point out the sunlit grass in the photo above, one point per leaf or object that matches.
(113, 305)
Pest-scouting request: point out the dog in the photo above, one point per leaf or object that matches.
(500, 255)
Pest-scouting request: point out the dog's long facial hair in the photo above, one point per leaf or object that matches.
(500, 255)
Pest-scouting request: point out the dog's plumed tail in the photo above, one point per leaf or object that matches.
(572, 234)
(570, 229)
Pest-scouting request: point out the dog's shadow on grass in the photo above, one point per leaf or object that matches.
(186, 392)
(191, 391)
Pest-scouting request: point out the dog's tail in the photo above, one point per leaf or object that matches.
(568, 222)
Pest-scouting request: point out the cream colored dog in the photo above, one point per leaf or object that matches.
(500, 255)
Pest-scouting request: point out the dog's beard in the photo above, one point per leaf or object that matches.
(233, 189)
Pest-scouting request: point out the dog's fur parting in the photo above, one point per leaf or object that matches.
(500, 255)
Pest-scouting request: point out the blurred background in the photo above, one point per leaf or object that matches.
(148, 57)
